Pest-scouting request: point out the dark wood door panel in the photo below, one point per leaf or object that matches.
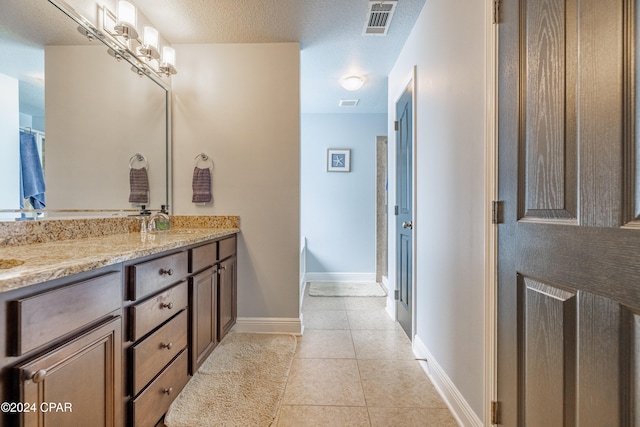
(548, 166)
(575, 367)
(548, 337)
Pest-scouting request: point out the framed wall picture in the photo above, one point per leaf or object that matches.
(338, 160)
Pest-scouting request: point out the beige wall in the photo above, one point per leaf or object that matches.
(240, 104)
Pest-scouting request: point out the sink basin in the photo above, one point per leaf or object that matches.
(10, 263)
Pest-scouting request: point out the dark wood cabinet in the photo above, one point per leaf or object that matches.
(212, 297)
(158, 320)
(114, 346)
(227, 294)
(75, 384)
(203, 290)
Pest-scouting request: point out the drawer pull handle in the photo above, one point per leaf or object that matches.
(166, 305)
(38, 376)
(168, 272)
(168, 390)
(168, 346)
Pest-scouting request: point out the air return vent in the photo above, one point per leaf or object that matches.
(348, 102)
(379, 17)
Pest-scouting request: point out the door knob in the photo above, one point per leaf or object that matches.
(407, 224)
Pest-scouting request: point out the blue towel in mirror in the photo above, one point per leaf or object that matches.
(32, 182)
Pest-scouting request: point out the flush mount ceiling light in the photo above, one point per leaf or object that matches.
(352, 82)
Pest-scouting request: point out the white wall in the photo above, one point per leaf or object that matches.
(9, 144)
(339, 209)
(447, 46)
(240, 104)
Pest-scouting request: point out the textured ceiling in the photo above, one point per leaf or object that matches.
(330, 33)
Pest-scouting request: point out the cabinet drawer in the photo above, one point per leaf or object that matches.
(203, 256)
(153, 353)
(154, 275)
(227, 247)
(50, 315)
(153, 402)
(147, 315)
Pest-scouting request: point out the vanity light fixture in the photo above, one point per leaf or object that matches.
(126, 25)
(168, 65)
(149, 48)
(144, 54)
(352, 82)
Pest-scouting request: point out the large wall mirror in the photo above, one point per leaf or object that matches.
(83, 115)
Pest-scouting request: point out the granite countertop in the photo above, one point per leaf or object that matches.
(52, 260)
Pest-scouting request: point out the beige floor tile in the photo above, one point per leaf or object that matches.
(324, 382)
(382, 344)
(365, 303)
(397, 383)
(325, 319)
(371, 319)
(322, 416)
(325, 344)
(323, 303)
(410, 417)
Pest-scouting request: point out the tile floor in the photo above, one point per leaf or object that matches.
(354, 367)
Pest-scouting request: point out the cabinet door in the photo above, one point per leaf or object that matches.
(204, 316)
(227, 296)
(76, 384)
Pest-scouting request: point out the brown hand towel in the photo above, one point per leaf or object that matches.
(139, 185)
(201, 185)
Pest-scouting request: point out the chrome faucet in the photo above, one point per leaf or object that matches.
(163, 224)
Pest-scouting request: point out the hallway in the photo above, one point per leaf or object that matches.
(354, 367)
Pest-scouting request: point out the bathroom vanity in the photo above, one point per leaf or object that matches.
(109, 332)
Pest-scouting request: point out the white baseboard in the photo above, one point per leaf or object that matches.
(465, 416)
(272, 325)
(340, 277)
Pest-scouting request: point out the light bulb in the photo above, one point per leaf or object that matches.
(150, 37)
(169, 56)
(127, 13)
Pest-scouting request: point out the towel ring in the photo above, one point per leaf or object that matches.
(204, 158)
(138, 158)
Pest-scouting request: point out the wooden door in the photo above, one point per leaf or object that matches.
(569, 247)
(77, 384)
(404, 209)
(203, 296)
(227, 298)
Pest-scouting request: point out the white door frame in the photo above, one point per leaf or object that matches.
(491, 231)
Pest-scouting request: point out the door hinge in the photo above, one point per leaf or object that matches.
(396, 295)
(495, 412)
(496, 11)
(395, 210)
(395, 125)
(497, 212)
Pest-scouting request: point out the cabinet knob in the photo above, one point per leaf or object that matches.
(166, 305)
(168, 390)
(168, 346)
(168, 272)
(38, 376)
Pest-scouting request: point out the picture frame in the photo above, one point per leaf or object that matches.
(338, 160)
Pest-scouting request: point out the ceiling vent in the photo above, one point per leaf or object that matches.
(379, 17)
(348, 102)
